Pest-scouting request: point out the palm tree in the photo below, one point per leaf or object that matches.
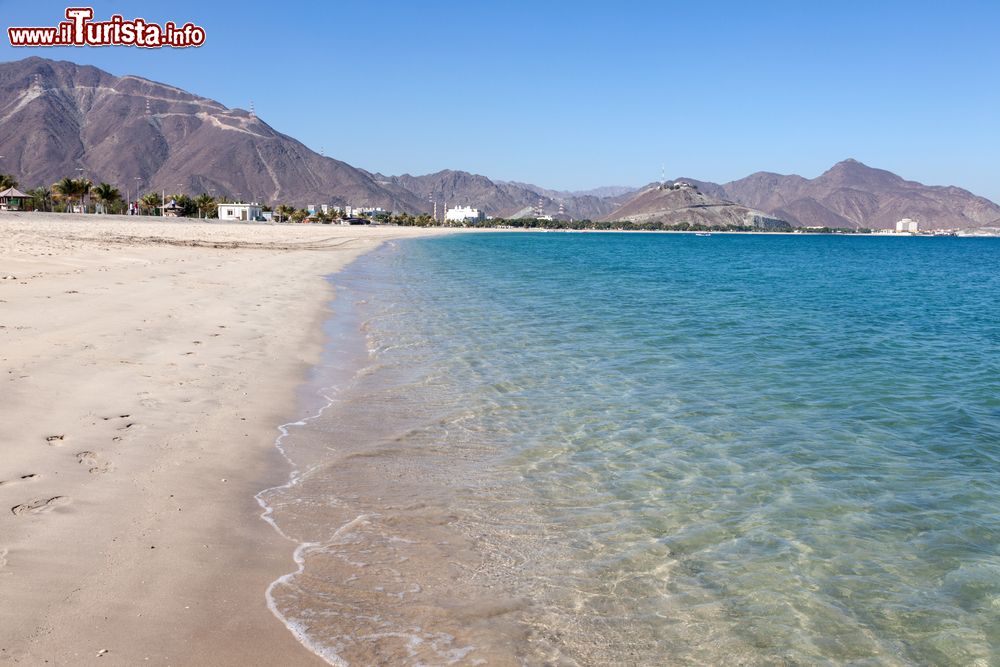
(7, 181)
(284, 211)
(69, 188)
(206, 204)
(65, 189)
(107, 194)
(152, 200)
(41, 198)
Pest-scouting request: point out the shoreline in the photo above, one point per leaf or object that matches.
(381, 573)
(147, 365)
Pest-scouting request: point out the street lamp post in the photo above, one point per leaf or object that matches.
(80, 172)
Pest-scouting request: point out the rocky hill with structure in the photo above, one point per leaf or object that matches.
(682, 202)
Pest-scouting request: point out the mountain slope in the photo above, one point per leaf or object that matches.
(58, 116)
(686, 204)
(851, 194)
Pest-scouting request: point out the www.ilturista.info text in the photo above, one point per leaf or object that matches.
(80, 30)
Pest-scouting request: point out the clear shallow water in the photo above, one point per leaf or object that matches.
(655, 449)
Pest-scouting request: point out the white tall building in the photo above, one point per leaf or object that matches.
(463, 214)
(907, 226)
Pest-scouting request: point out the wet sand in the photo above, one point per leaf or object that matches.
(145, 367)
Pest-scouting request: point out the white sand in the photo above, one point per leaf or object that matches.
(145, 366)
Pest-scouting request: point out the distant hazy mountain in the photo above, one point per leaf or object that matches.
(851, 194)
(606, 192)
(500, 198)
(669, 205)
(58, 116)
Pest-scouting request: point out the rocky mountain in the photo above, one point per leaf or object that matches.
(681, 201)
(56, 117)
(848, 195)
(851, 194)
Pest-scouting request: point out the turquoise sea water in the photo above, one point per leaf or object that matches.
(656, 449)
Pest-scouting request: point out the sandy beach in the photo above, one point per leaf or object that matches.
(145, 367)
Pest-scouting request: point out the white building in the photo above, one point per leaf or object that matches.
(907, 226)
(463, 214)
(373, 211)
(327, 209)
(245, 212)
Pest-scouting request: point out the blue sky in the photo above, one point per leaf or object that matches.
(574, 95)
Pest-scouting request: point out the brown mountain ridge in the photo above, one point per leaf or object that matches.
(853, 195)
(57, 117)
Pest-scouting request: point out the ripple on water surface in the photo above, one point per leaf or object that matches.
(654, 449)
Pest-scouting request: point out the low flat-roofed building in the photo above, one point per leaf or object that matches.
(243, 212)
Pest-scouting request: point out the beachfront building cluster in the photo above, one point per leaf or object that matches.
(907, 226)
(463, 214)
(370, 211)
(347, 211)
(325, 209)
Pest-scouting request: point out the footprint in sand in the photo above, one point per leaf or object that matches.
(23, 478)
(87, 458)
(39, 505)
(55, 439)
(146, 400)
(91, 459)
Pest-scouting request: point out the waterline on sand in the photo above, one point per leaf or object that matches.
(608, 449)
